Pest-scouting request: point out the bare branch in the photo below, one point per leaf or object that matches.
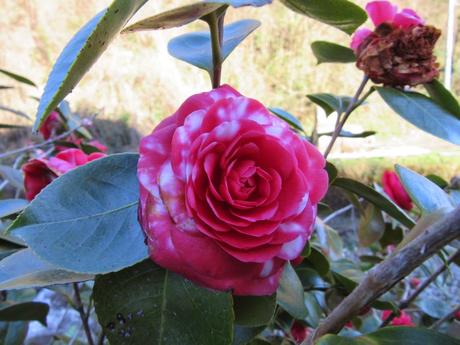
(385, 275)
(448, 317)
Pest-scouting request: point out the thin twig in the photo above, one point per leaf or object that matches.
(351, 107)
(81, 311)
(385, 275)
(448, 317)
(35, 146)
(408, 301)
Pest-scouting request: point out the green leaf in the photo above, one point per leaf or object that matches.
(374, 197)
(243, 335)
(341, 14)
(13, 333)
(15, 112)
(392, 335)
(195, 48)
(241, 3)
(13, 176)
(24, 269)
(423, 113)
(11, 206)
(438, 180)
(288, 117)
(330, 103)
(314, 309)
(391, 236)
(443, 97)
(2, 125)
(318, 261)
(146, 304)
(27, 311)
(253, 311)
(371, 226)
(328, 52)
(82, 52)
(332, 172)
(18, 77)
(290, 293)
(8, 246)
(86, 220)
(431, 306)
(174, 18)
(424, 193)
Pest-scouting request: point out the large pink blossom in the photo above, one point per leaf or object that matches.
(228, 192)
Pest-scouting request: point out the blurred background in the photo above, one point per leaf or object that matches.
(136, 83)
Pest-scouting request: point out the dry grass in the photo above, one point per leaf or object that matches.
(138, 82)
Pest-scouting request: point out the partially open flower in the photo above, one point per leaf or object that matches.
(38, 173)
(51, 126)
(403, 319)
(395, 190)
(299, 332)
(399, 52)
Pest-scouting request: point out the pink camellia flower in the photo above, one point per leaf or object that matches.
(228, 192)
(395, 190)
(299, 332)
(382, 12)
(51, 125)
(403, 319)
(414, 282)
(38, 173)
(399, 51)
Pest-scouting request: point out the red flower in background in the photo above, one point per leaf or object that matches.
(457, 315)
(51, 125)
(228, 192)
(403, 319)
(395, 190)
(414, 283)
(38, 173)
(399, 51)
(299, 332)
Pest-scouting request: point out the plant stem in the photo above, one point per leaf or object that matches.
(351, 107)
(448, 317)
(81, 311)
(385, 275)
(35, 146)
(407, 301)
(216, 23)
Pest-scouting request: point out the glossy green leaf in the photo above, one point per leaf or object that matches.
(423, 113)
(391, 236)
(86, 220)
(254, 311)
(174, 18)
(443, 97)
(374, 197)
(27, 311)
(288, 117)
(17, 77)
(424, 193)
(13, 176)
(82, 52)
(393, 336)
(330, 103)
(11, 206)
(145, 304)
(195, 48)
(314, 309)
(371, 226)
(8, 246)
(24, 269)
(328, 52)
(290, 293)
(341, 14)
(241, 3)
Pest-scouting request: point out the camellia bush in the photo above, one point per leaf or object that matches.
(217, 231)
